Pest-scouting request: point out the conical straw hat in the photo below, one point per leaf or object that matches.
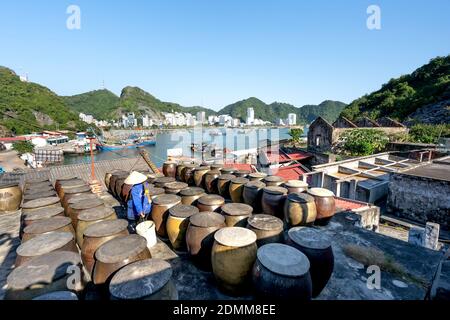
(135, 178)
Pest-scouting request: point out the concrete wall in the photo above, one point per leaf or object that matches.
(420, 199)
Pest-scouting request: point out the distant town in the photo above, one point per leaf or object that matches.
(178, 119)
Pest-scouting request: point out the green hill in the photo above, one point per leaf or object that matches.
(134, 99)
(271, 112)
(99, 103)
(27, 107)
(400, 98)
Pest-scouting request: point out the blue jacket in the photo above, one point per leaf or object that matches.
(138, 201)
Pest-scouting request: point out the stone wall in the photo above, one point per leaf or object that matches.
(420, 199)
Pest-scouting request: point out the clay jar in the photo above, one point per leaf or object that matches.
(39, 215)
(38, 204)
(188, 174)
(273, 181)
(210, 203)
(42, 275)
(236, 214)
(252, 194)
(10, 198)
(170, 169)
(217, 167)
(325, 204)
(273, 201)
(97, 234)
(211, 181)
(200, 236)
(228, 170)
(132, 281)
(79, 198)
(317, 247)
(43, 244)
(237, 188)
(296, 186)
(163, 181)
(160, 211)
(177, 224)
(175, 187)
(199, 174)
(72, 192)
(233, 255)
(61, 224)
(91, 216)
(223, 185)
(179, 172)
(151, 177)
(69, 184)
(190, 195)
(77, 208)
(268, 229)
(282, 272)
(242, 173)
(117, 253)
(257, 176)
(299, 210)
(153, 192)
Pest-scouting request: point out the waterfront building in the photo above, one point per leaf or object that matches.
(291, 119)
(250, 116)
(201, 116)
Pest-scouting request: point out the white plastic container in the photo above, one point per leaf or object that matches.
(147, 230)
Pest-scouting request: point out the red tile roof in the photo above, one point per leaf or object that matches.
(346, 204)
(293, 172)
(283, 157)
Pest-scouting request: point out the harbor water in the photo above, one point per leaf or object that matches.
(231, 139)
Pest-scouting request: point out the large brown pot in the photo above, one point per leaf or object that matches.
(153, 192)
(61, 180)
(175, 187)
(282, 272)
(242, 173)
(223, 185)
(273, 201)
(43, 244)
(210, 203)
(170, 169)
(72, 192)
(132, 281)
(268, 229)
(44, 274)
(227, 170)
(273, 181)
(91, 216)
(78, 198)
(38, 195)
(177, 224)
(60, 224)
(199, 174)
(114, 177)
(77, 208)
(69, 184)
(317, 247)
(151, 177)
(257, 176)
(190, 195)
(108, 176)
(211, 181)
(325, 204)
(188, 174)
(97, 234)
(200, 236)
(237, 189)
(299, 210)
(160, 211)
(296, 186)
(163, 181)
(117, 253)
(236, 214)
(10, 198)
(233, 255)
(41, 214)
(37, 204)
(252, 195)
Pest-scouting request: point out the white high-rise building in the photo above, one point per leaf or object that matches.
(250, 116)
(292, 119)
(201, 116)
(145, 121)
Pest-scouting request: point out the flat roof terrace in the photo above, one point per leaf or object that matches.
(438, 170)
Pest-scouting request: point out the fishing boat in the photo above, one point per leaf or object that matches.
(126, 144)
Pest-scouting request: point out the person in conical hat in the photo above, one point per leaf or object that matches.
(139, 203)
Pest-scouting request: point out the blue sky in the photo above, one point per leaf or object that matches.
(216, 52)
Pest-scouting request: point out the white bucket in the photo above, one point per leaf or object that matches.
(146, 229)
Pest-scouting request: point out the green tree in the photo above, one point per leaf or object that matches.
(424, 133)
(296, 135)
(23, 147)
(364, 142)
